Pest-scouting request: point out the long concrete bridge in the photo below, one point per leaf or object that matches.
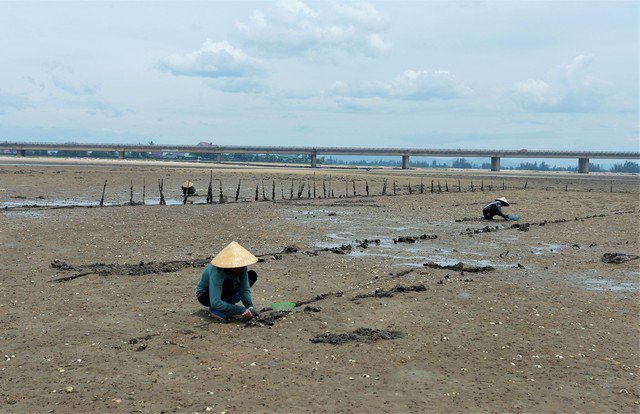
(313, 152)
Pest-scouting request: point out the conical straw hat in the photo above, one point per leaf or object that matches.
(232, 256)
(187, 184)
(504, 200)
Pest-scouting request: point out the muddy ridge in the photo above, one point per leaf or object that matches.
(460, 267)
(381, 293)
(142, 268)
(527, 226)
(413, 239)
(359, 335)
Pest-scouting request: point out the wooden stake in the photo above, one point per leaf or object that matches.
(421, 185)
(257, 189)
(291, 193)
(264, 196)
(104, 187)
(366, 187)
(238, 191)
(210, 189)
(410, 190)
(273, 190)
(221, 197)
(314, 185)
(472, 187)
(324, 189)
(459, 188)
(446, 186)
(384, 187)
(131, 194)
(354, 188)
(394, 187)
(432, 186)
(439, 187)
(502, 185)
(144, 189)
(161, 188)
(482, 185)
(525, 185)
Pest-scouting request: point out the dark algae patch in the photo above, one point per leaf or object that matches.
(359, 335)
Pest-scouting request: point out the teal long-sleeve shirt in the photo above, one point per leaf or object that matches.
(212, 280)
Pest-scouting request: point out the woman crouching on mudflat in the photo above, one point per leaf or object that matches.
(226, 281)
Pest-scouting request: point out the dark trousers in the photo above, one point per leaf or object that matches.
(229, 294)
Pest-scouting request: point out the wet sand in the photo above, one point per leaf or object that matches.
(543, 326)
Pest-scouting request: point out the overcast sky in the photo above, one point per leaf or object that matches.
(458, 74)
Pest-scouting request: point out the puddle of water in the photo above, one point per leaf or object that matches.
(82, 203)
(602, 285)
(48, 203)
(156, 201)
(410, 264)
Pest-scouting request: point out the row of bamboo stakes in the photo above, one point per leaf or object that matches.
(313, 191)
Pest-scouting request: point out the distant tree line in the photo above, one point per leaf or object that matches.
(627, 167)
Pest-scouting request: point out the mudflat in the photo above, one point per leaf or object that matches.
(406, 302)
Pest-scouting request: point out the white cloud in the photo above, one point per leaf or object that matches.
(295, 28)
(237, 85)
(212, 60)
(568, 89)
(578, 63)
(427, 84)
(416, 85)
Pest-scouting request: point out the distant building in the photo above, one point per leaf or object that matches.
(205, 144)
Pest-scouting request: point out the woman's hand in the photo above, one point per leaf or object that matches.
(247, 314)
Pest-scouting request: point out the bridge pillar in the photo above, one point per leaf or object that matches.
(314, 160)
(21, 152)
(218, 157)
(495, 163)
(583, 165)
(405, 162)
(121, 155)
